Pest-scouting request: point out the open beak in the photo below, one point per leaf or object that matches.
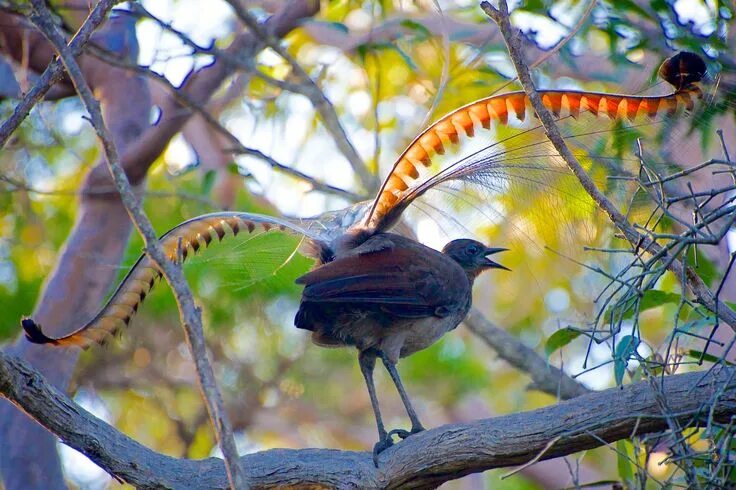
(491, 264)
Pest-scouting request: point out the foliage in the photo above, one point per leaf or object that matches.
(386, 86)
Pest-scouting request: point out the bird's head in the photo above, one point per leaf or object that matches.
(473, 256)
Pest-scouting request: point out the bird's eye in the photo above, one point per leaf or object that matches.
(473, 250)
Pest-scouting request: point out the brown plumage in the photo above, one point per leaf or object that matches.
(390, 297)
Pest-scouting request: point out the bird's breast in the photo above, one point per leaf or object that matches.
(424, 332)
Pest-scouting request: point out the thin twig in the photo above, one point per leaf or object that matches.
(54, 71)
(190, 314)
(309, 89)
(696, 285)
(239, 148)
(533, 460)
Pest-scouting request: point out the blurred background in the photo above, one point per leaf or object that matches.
(388, 68)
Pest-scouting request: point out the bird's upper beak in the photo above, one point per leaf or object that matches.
(491, 264)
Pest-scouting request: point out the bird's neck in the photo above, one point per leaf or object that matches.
(472, 274)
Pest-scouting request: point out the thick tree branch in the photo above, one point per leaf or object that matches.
(423, 460)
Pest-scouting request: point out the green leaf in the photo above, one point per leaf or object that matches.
(694, 325)
(626, 346)
(233, 168)
(634, 8)
(705, 268)
(407, 59)
(624, 460)
(334, 25)
(208, 181)
(653, 298)
(696, 354)
(560, 339)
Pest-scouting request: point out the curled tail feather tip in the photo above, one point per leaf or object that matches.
(34, 332)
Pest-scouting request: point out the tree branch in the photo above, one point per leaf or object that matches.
(190, 314)
(199, 86)
(308, 88)
(637, 240)
(423, 460)
(545, 376)
(54, 71)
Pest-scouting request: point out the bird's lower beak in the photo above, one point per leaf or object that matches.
(491, 264)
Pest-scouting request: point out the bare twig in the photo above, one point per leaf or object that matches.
(190, 314)
(639, 241)
(54, 72)
(534, 459)
(239, 148)
(309, 89)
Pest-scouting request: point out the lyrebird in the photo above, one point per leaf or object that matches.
(385, 294)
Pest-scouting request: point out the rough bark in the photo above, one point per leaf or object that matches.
(423, 460)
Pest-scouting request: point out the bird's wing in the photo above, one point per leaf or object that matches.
(178, 243)
(405, 281)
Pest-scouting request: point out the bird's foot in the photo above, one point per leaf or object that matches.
(381, 446)
(403, 434)
(388, 441)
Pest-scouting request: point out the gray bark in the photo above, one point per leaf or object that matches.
(423, 460)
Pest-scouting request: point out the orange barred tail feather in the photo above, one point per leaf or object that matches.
(683, 71)
(182, 241)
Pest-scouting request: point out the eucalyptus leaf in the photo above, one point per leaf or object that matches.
(560, 339)
(208, 181)
(625, 348)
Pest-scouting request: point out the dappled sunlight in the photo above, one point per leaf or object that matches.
(581, 295)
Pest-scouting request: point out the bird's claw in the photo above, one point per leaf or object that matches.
(387, 441)
(403, 434)
(381, 446)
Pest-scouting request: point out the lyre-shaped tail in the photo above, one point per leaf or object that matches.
(181, 241)
(405, 182)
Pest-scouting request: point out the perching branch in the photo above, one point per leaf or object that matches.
(637, 240)
(190, 314)
(421, 461)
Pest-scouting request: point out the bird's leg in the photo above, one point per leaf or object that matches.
(367, 361)
(416, 425)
